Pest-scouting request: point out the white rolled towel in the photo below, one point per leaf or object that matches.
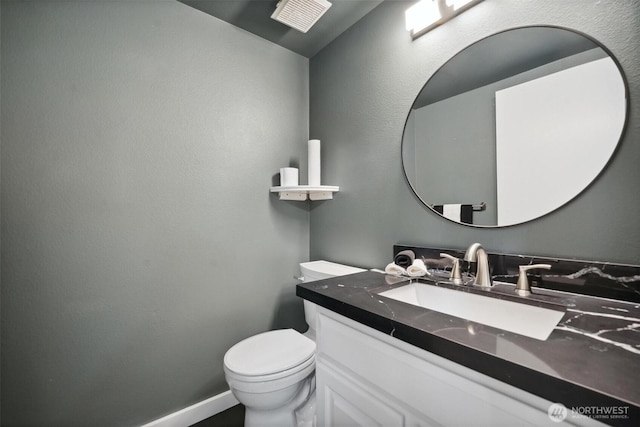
(417, 269)
(393, 268)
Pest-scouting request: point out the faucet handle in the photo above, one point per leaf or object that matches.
(455, 275)
(522, 287)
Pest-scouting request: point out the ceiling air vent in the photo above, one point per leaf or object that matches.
(300, 14)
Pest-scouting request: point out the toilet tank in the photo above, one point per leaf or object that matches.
(318, 270)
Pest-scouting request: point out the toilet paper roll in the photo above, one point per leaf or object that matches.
(314, 162)
(289, 177)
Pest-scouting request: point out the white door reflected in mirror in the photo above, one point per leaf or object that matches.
(566, 121)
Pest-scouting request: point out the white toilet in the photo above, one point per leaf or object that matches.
(272, 373)
(318, 270)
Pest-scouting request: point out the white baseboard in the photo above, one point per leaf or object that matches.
(198, 412)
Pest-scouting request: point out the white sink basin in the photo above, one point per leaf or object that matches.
(528, 320)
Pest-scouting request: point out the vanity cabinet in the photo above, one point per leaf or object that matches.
(367, 378)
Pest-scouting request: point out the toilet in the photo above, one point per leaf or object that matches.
(318, 270)
(273, 373)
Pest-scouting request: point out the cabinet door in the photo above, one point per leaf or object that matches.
(365, 378)
(344, 401)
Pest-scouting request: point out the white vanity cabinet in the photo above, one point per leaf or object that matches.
(367, 378)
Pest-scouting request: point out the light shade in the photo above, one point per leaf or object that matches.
(428, 14)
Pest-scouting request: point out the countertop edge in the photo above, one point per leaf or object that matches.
(538, 383)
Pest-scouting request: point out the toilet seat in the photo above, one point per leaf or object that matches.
(270, 356)
(270, 383)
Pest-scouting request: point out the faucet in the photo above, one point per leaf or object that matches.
(522, 287)
(455, 276)
(476, 253)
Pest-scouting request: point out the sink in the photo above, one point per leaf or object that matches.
(532, 321)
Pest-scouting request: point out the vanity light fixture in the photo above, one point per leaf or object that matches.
(428, 14)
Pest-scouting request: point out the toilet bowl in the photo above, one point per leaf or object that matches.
(273, 373)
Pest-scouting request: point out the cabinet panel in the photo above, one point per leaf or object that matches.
(347, 403)
(372, 371)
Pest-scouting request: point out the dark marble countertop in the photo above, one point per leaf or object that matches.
(591, 358)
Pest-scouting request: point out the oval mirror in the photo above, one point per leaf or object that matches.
(514, 126)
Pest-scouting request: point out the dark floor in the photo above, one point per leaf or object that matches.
(232, 417)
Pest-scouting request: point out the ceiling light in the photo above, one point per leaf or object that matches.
(428, 14)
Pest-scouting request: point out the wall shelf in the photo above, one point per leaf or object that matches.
(301, 192)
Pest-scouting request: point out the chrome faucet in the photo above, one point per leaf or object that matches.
(476, 253)
(522, 287)
(455, 276)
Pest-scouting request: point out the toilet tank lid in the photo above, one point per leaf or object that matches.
(328, 268)
(269, 352)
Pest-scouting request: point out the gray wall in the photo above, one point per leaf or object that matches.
(139, 139)
(456, 152)
(140, 240)
(362, 87)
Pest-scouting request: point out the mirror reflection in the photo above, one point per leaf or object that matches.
(514, 126)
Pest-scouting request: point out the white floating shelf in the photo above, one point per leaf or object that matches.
(301, 192)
